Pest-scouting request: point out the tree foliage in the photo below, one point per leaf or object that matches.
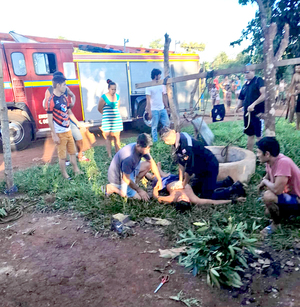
(192, 47)
(156, 44)
(280, 12)
(222, 61)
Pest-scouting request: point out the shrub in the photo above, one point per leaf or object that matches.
(219, 253)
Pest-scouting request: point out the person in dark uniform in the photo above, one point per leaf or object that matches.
(252, 98)
(194, 159)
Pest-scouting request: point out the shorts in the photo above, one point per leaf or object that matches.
(130, 192)
(75, 131)
(256, 125)
(288, 204)
(66, 144)
(297, 109)
(237, 92)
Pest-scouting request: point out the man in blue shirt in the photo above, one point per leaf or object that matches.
(126, 169)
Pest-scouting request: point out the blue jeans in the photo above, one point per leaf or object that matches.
(159, 116)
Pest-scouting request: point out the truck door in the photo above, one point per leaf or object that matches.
(93, 76)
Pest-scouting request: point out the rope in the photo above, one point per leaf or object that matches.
(15, 213)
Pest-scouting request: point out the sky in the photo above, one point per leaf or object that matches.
(213, 22)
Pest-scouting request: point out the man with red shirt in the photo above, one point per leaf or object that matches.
(282, 182)
(59, 114)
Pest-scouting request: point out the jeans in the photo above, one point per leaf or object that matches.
(159, 116)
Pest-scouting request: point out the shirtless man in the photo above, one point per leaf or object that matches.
(182, 198)
(293, 88)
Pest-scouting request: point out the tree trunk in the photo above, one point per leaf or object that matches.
(269, 65)
(270, 80)
(5, 137)
(174, 110)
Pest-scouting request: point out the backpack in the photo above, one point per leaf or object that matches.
(218, 113)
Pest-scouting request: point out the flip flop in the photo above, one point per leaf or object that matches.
(267, 231)
(103, 190)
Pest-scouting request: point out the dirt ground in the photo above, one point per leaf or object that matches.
(55, 260)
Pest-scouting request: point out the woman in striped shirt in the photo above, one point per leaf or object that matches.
(112, 124)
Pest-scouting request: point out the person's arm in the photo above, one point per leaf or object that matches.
(101, 105)
(75, 121)
(148, 106)
(239, 105)
(45, 101)
(181, 170)
(278, 186)
(186, 179)
(260, 99)
(166, 102)
(156, 173)
(73, 98)
(55, 137)
(134, 186)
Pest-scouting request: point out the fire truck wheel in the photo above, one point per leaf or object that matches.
(140, 123)
(20, 131)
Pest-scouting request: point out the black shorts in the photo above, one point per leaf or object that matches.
(297, 109)
(255, 127)
(288, 205)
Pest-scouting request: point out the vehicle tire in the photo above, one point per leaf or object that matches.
(20, 130)
(139, 123)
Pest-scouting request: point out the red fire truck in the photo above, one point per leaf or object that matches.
(28, 69)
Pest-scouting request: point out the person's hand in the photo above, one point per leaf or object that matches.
(149, 114)
(261, 186)
(82, 127)
(236, 110)
(158, 185)
(55, 139)
(177, 186)
(143, 194)
(168, 111)
(250, 108)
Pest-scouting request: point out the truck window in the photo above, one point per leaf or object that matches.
(18, 63)
(44, 63)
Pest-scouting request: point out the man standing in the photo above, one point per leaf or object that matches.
(74, 125)
(282, 183)
(59, 115)
(252, 98)
(157, 104)
(126, 169)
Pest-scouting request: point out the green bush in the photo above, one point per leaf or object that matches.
(219, 252)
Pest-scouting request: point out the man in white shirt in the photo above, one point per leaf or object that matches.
(157, 104)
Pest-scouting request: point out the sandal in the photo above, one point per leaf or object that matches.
(267, 231)
(103, 190)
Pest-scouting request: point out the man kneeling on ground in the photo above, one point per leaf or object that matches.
(196, 160)
(126, 169)
(182, 199)
(282, 182)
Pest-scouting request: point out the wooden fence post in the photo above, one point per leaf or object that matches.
(174, 109)
(10, 187)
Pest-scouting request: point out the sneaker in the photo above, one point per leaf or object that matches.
(84, 159)
(237, 190)
(227, 182)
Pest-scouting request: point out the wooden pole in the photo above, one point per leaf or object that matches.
(174, 109)
(10, 188)
(219, 72)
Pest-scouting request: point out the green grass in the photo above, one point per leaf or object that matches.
(83, 194)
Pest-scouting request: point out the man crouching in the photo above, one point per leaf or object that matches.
(282, 182)
(126, 169)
